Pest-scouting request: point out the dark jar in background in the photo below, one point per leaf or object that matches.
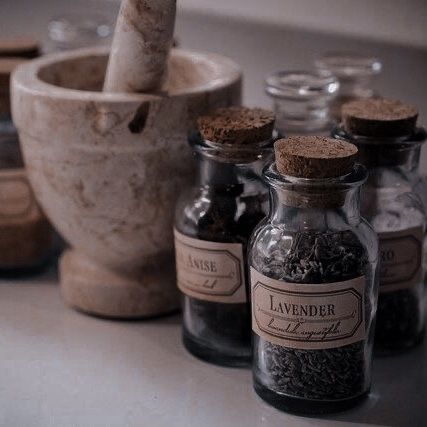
(314, 285)
(389, 146)
(214, 221)
(25, 234)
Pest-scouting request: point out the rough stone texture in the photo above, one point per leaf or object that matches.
(379, 117)
(141, 44)
(102, 184)
(314, 157)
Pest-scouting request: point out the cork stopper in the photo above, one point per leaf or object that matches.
(7, 65)
(237, 125)
(379, 117)
(22, 47)
(314, 157)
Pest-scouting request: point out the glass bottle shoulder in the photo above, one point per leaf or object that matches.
(389, 201)
(227, 214)
(297, 254)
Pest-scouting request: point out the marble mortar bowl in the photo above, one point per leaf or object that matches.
(107, 169)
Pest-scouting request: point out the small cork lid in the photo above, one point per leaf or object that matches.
(379, 117)
(22, 47)
(314, 157)
(237, 125)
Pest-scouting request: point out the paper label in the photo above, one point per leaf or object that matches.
(308, 316)
(17, 201)
(401, 254)
(210, 271)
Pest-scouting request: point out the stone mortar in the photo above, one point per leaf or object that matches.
(107, 169)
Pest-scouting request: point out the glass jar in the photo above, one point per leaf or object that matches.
(214, 220)
(355, 73)
(301, 101)
(391, 205)
(80, 29)
(313, 264)
(25, 234)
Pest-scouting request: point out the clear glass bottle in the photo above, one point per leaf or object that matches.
(314, 286)
(355, 73)
(82, 29)
(301, 101)
(25, 234)
(214, 220)
(396, 212)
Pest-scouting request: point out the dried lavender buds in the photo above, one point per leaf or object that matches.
(313, 281)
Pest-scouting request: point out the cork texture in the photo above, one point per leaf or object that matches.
(23, 47)
(314, 157)
(379, 117)
(237, 125)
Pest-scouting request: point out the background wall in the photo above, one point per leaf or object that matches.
(268, 35)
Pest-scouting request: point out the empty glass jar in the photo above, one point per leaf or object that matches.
(355, 73)
(301, 101)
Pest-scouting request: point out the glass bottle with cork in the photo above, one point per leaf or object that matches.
(389, 143)
(301, 101)
(313, 266)
(355, 72)
(214, 220)
(25, 234)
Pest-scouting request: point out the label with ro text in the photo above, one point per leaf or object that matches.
(401, 256)
(210, 271)
(308, 316)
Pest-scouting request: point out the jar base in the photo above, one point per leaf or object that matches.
(303, 406)
(96, 290)
(27, 271)
(392, 349)
(213, 355)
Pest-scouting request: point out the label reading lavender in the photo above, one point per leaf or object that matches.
(401, 254)
(210, 271)
(306, 316)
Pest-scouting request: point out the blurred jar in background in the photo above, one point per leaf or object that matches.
(26, 238)
(355, 73)
(73, 31)
(82, 23)
(301, 101)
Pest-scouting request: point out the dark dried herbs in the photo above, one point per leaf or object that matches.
(220, 332)
(399, 320)
(327, 374)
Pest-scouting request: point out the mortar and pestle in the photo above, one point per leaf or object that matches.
(107, 158)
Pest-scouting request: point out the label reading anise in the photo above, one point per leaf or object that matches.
(308, 316)
(401, 255)
(210, 271)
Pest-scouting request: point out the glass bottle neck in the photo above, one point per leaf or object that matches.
(215, 174)
(302, 117)
(356, 87)
(341, 211)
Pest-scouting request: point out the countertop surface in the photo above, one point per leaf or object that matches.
(59, 367)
